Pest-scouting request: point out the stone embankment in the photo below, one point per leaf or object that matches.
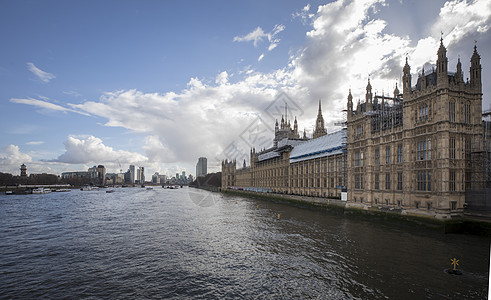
(465, 224)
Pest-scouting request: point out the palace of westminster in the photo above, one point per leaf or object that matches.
(419, 152)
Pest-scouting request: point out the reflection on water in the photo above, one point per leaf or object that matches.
(161, 243)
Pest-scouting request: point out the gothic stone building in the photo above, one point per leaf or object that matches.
(294, 165)
(411, 152)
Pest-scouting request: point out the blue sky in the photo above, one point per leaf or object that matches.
(161, 83)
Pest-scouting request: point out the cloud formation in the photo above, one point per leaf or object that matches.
(92, 150)
(257, 35)
(42, 75)
(45, 105)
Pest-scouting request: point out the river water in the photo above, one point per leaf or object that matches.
(188, 243)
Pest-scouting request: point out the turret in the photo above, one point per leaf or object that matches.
(406, 80)
(295, 128)
(459, 76)
(396, 92)
(320, 130)
(368, 96)
(441, 67)
(475, 71)
(423, 78)
(350, 105)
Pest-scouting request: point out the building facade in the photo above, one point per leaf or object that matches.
(414, 152)
(294, 165)
(411, 152)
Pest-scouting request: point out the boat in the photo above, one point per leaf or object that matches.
(89, 188)
(62, 190)
(149, 188)
(41, 191)
(110, 191)
(9, 193)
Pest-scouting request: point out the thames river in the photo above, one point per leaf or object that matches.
(187, 243)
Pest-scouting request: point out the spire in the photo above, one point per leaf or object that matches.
(441, 65)
(368, 96)
(475, 70)
(319, 130)
(295, 128)
(423, 78)
(396, 92)
(406, 80)
(459, 77)
(350, 105)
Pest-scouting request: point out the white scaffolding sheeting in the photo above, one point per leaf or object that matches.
(327, 145)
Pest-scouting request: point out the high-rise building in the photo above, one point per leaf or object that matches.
(201, 167)
(132, 174)
(140, 175)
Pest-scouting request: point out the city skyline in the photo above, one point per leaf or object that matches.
(162, 84)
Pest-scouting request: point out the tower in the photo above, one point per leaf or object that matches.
(475, 71)
(350, 105)
(368, 96)
(441, 67)
(406, 80)
(320, 130)
(459, 76)
(23, 170)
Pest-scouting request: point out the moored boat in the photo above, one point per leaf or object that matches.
(41, 191)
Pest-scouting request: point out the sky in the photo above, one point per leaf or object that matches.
(159, 84)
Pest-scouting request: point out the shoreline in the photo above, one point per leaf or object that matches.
(463, 225)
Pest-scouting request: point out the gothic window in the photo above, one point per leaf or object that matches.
(467, 113)
(377, 156)
(467, 148)
(387, 181)
(357, 158)
(423, 112)
(387, 155)
(424, 149)
(377, 182)
(451, 183)
(399, 181)
(451, 111)
(399, 153)
(332, 182)
(452, 148)
(359, 130)
(358, 181)
(421, 181)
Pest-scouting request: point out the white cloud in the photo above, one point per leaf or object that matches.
(260, 57)
(257, 35)
(44, 104)
(460, 18)
(92, 150)
(222, 78)
(35, 143)
(304, 14)
(11, 158)
(42, 75)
